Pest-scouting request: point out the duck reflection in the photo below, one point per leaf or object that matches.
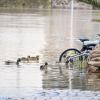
(63, 78)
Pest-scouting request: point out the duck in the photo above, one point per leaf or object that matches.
(29, 59)
(10, 62)
(33, 58)
(44, 67)
(24, 59)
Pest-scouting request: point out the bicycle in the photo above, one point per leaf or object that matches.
(71, 53)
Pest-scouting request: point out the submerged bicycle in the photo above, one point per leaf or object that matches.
(72, 53)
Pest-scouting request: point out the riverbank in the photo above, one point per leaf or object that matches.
(44, 4)
(21, 10)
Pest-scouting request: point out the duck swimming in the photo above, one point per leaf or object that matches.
(44, 67)
(33, 58)
(29, 59)
(24, 59)
(10, 62)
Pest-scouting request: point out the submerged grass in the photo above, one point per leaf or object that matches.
(80, 64)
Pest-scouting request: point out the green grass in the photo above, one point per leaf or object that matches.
(24, 3)
(96, 20)
(79, 64)
(94, 3)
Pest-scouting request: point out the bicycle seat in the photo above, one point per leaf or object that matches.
(82, 40)
(94, 42)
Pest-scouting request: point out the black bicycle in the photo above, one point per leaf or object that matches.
(70, 54)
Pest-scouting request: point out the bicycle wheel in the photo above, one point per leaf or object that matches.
(67, 53)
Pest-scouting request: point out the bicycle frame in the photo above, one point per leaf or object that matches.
(75, 56)
(86, 48)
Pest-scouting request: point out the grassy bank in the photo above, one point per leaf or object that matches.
(24, 3)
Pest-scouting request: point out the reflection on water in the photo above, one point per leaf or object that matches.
(47, 34)
(93, 81)
(11, 76)
(25, 34)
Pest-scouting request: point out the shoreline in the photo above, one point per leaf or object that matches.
(56, 94)
(32, 10)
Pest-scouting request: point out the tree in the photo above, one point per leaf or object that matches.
(94, 3)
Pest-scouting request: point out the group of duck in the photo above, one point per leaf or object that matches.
(94, 60)
(27, 59)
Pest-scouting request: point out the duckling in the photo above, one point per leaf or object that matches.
(18, 61)
(24, 59)
(44, 67)
(33, 58)
(9, 62)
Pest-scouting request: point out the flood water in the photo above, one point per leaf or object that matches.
(46, 33)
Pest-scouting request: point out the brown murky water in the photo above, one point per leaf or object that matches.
(45, 33)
